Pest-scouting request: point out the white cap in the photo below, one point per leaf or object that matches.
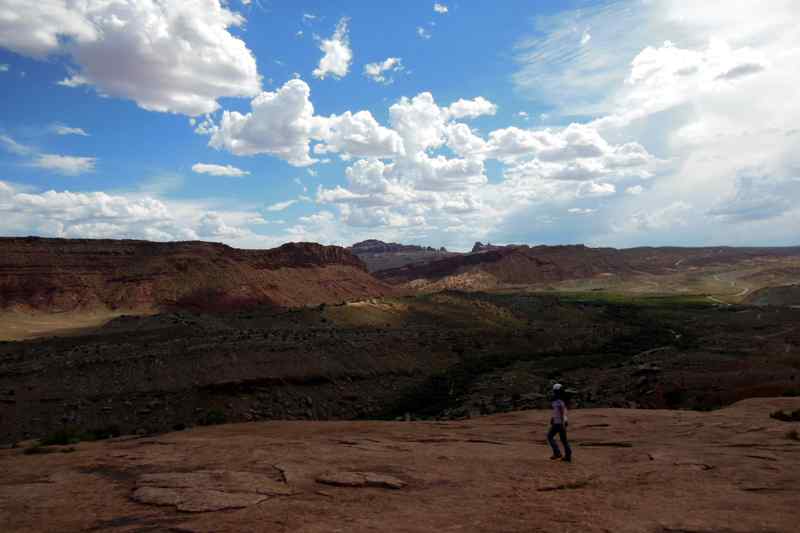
(557, 386)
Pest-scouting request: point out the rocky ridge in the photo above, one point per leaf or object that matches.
(56, 275)
(480, 247)
(379, 255)
(372, 246)
(489, 266)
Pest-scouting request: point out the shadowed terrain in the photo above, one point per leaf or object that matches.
(444, 355)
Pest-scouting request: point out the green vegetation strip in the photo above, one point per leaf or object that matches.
(649, 300)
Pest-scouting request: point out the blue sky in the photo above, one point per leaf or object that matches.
(640, 122)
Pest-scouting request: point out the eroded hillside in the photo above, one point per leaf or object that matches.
(63, 275)
(726, 274)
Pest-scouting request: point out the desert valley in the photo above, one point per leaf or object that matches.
(113, 348)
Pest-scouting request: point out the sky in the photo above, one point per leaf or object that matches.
(254, 123)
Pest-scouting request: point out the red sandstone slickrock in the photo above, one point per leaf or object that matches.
(732, 470)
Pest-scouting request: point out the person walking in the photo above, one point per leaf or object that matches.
(558, 426)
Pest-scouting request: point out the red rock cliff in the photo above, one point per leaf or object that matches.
(65, 274)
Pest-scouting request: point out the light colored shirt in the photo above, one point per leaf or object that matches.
(559, 412)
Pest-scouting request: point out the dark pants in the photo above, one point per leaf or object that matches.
(561, 431)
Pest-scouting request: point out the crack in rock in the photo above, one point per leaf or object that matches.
(210, 490)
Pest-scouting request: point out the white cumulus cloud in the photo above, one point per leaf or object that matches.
(88, 215)
(471, 108)
(419, 121)
(337, 54)
(379, 72)
(357, 135)
(213, 225)
(169, 55)
(426, 169)
(283, 124)
(280, 123)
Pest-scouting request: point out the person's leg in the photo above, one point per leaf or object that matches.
(551, 438)
(567, 450)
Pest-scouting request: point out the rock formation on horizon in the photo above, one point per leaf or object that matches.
(379, 255)
(377, 246)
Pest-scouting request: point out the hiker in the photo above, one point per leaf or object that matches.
(558, 426)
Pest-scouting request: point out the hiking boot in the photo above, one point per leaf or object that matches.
(555, 457)
(567, 459)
